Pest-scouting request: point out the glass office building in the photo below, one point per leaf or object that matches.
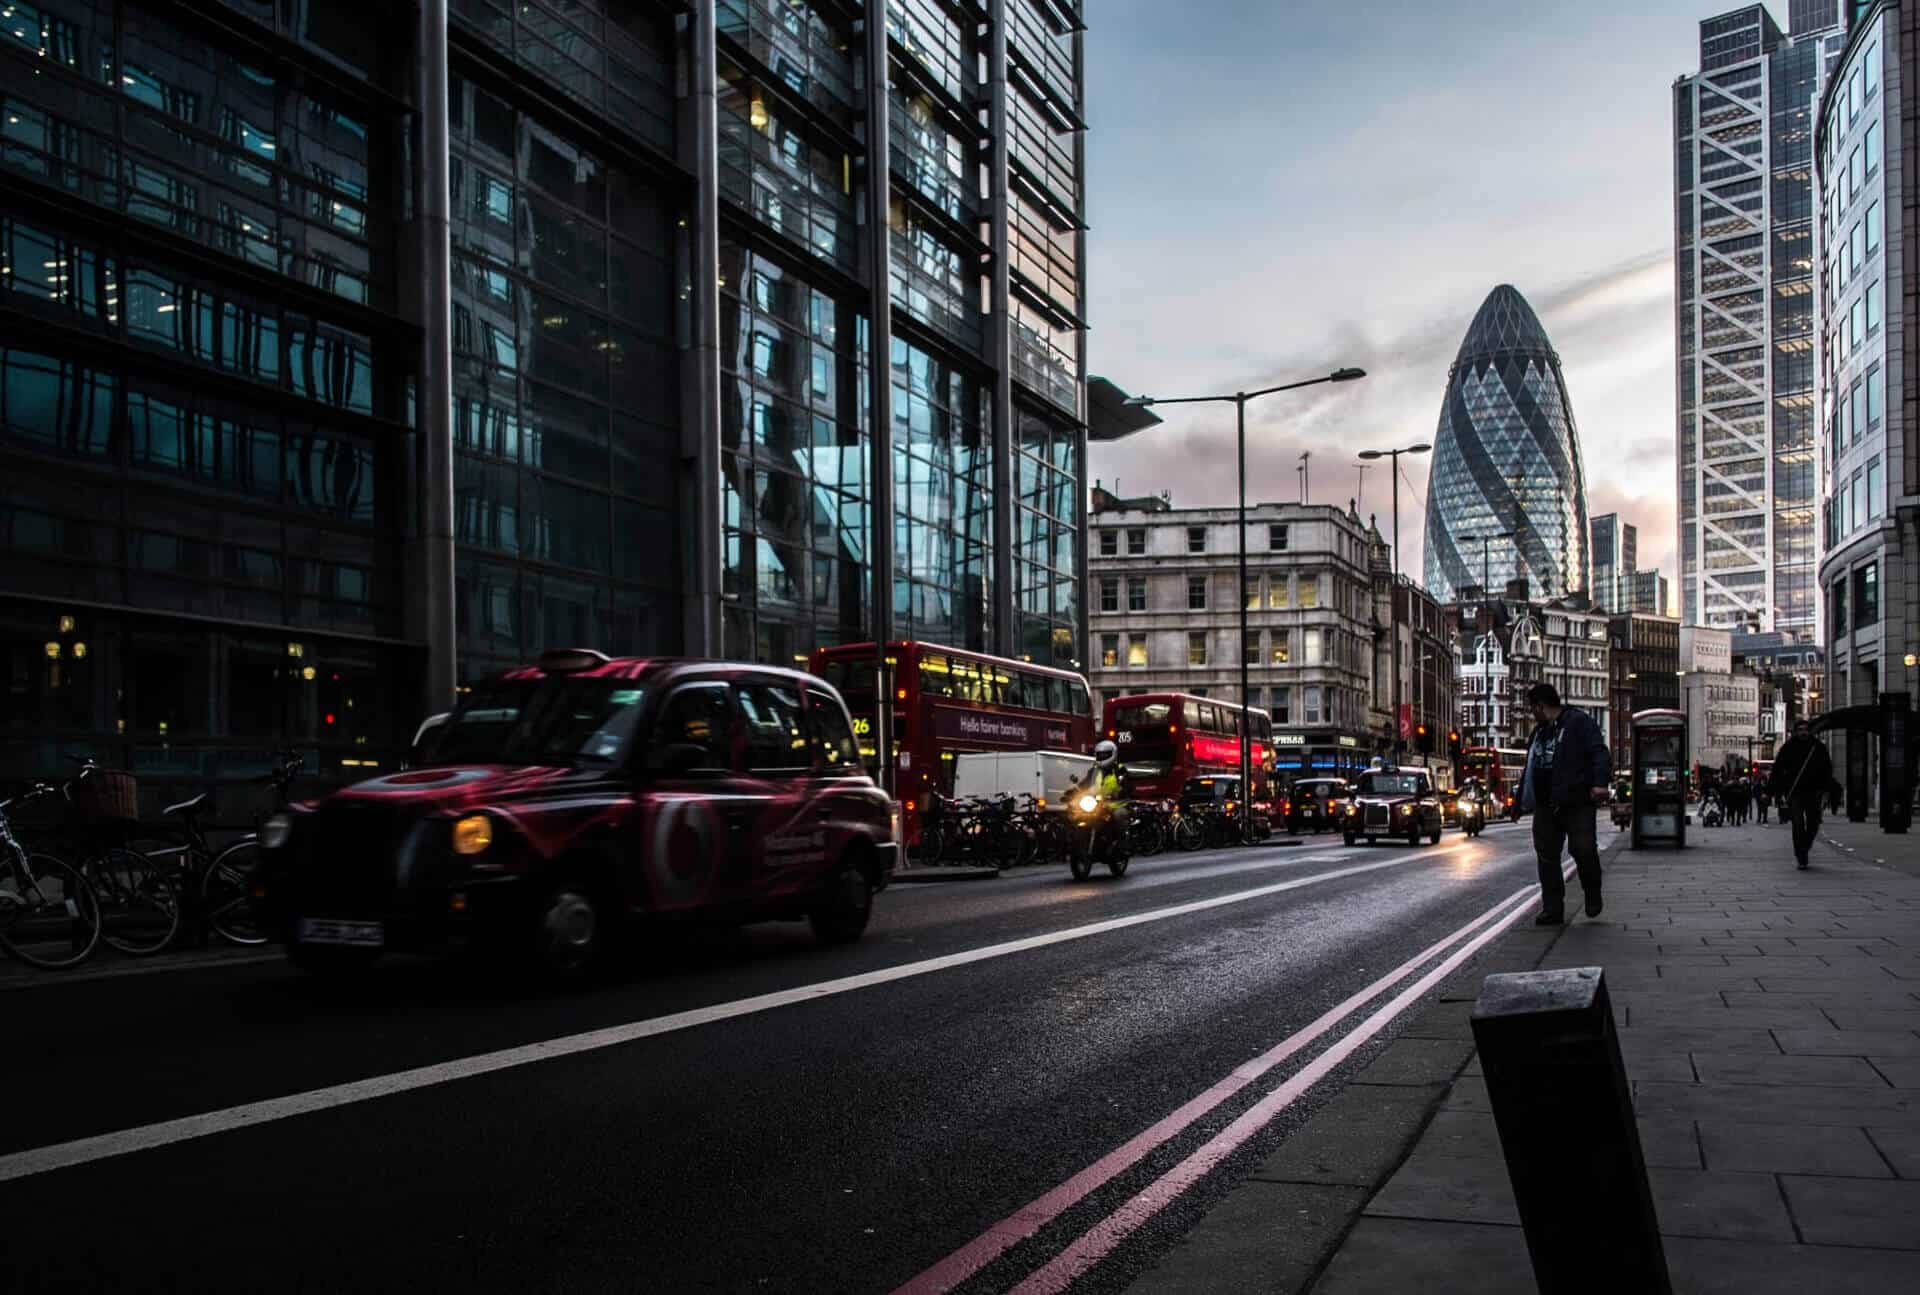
(254, 448)
(1506, 463)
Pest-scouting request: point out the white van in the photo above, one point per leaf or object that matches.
(1045, 775)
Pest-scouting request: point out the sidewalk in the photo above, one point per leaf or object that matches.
(1770, 1024)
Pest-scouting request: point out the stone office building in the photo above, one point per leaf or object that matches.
(1164, 585)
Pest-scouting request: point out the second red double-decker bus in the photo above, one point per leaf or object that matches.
(946, 701)
(1166, 738)
(1497, 768)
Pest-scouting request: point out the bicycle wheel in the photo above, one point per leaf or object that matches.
(139, 901)
(226, 894)
(48, 914)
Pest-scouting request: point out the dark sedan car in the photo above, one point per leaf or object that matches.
(1316, 804)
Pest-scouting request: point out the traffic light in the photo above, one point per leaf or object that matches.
(1422, 740)
(1454, 749)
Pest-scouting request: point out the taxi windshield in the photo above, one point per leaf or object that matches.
(556, 720)
(1389, 784)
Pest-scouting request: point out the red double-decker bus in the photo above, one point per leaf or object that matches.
(947, 701)
(1166, 738)
(1498, 769)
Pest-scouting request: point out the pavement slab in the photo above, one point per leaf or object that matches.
(1265, 1237)
(1901, 1072)
(1383, 1254)
(1716, 1203)
(1855, 1211)
(1790, 1149)
(1699, 1266)
(1417, 1062)
(1753, 1068)
(1849, 1043)
(1901, 1147)
(1459, 1188)
(1354, 1140)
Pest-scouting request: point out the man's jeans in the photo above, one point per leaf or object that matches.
(1570, 828)
(1806, 825)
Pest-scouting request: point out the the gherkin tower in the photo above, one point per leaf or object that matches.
(1507, 458)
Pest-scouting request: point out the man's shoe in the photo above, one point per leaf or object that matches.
(1593, 904)
(1803, 863)
(1550, 919)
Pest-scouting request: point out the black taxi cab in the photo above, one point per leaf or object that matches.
(1390, 803)
(560, 799)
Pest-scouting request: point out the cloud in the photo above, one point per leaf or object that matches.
(1598, 320)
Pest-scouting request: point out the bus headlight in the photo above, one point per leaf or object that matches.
(275, 831)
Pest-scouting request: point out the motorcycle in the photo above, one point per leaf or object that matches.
(1473, 819)
(1098, 836)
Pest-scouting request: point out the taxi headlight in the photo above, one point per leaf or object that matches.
(472, 834)
(1406, 809)
(1089, 803)
(275, 831)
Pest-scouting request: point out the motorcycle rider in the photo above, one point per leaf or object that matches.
(1106, 780)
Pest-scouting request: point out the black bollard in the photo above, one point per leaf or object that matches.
(1560, 1101)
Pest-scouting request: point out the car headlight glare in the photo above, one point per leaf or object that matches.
(275, 831)
(1089, 803)
(472, 834)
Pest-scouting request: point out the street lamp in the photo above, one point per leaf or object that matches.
(1393, 470)
(1239, 401)
(1486, 575)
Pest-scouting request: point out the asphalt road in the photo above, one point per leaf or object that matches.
(846, 1138)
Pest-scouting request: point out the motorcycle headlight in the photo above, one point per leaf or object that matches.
(275, 831)
(1089, 803)
(472, 834)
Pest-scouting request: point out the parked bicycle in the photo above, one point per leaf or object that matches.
(139, 898)
(49, 915)
(220, 882)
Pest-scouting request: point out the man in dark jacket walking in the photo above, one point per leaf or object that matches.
(1802, 773)
(1567, 775)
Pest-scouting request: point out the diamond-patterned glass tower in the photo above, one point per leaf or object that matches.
(1507, 458)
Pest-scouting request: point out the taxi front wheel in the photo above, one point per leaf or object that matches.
(842, 911)
(570, 933)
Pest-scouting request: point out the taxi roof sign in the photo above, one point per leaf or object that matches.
(571, 660)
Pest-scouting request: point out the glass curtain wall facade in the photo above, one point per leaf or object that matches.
(214, 466)
(796, 108)
(1866, 569)
(1506, 458)
(205, 440)
(1745, 331)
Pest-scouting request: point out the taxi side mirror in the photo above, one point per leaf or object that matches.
(676, 757)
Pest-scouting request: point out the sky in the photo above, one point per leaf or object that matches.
(1278, 188)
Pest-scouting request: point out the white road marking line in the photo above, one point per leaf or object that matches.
(63, 1155)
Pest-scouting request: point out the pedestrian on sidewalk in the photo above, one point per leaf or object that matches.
(1763, 800)
(1568, 769)
(1802, 773)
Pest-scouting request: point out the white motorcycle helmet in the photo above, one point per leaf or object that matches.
(1105, 753)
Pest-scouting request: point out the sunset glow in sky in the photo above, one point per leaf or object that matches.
(1279, 189)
